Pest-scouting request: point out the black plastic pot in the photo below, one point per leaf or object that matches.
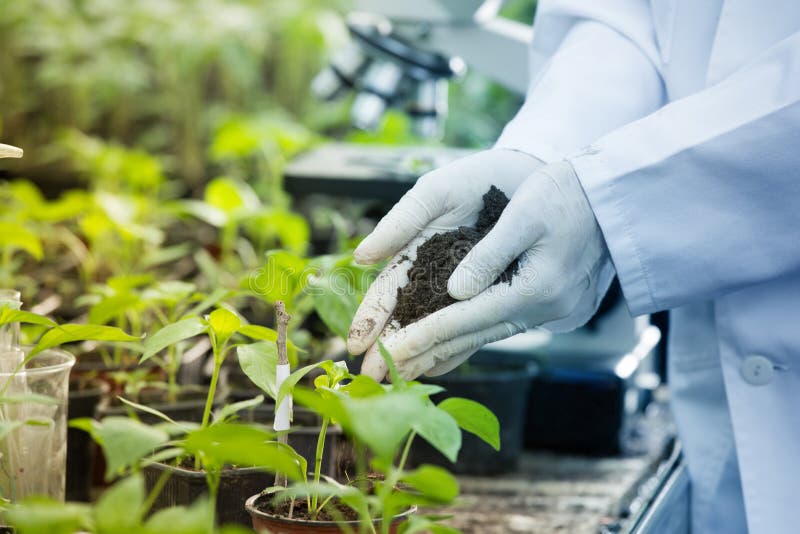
(83, 401)
(237, 484)
(185, 486)
(503, 388)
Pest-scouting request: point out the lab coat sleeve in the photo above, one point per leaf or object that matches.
(702, 197)
(593, 69)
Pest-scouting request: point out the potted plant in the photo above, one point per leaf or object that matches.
(383, 421)
(33, 395)
(189, 474)
(267, 365)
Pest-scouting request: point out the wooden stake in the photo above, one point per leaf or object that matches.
(282, 319)
(282, 322)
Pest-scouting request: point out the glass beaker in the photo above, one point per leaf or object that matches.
(33, 425)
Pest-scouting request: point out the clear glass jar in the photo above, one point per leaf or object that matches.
(33, 425)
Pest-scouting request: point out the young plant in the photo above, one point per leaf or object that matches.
(29, 402)
(142, 304)
(221, 325)
(331, 286)
(383, 420)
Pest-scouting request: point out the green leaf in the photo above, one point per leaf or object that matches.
(7, 315)
(241, 445)
(32, 398)
(119, 508)
(224, 323)
(171, 334)
(328, 406)
(211, 300)
(439, 429)
(112, 307)
(290, 229)
(124, 441)
(69, 333)
(36, 515)
(475, 418)
(230, 195)
(335, 305)
(424, 390)
(148, 409)
(418, 524)
(229, 410)
(363, 386)
(433, 482)
(196, 519)
(262, 333)
(258, 361)
(283, 277)
(13, 235)
(382, 422)
(204, 211)
(397, 380)
(292, 380)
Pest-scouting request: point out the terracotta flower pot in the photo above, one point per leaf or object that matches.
(264, 522)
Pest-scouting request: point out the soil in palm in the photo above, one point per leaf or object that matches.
(437, 258)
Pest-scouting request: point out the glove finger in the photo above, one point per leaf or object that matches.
(380, 299)
(374, 365)
(410, 216)
(448, 355)
(461, 318)
(517, 229)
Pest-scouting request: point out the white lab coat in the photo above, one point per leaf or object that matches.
(682, 120)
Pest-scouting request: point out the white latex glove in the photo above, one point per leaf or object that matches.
(564, 271)
(441, 200)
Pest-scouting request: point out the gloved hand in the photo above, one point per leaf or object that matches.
(441, 200)
(564, 271)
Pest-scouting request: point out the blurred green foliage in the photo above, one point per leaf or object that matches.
(159, 75)
(175, 77)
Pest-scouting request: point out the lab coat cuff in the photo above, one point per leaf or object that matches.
(609, 211)
(514, 137)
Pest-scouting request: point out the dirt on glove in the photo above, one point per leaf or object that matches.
(437, 258)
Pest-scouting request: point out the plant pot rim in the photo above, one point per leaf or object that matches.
(250, 506)
(61, 361)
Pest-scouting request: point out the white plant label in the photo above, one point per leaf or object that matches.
(283, 412)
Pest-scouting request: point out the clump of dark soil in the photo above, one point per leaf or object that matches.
(437, 258)
(300, 510)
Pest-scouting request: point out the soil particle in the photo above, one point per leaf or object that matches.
(437, 258)
(364, 328)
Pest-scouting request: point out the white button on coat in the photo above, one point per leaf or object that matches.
(757, 370)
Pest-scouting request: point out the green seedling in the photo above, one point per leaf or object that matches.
(382, 420)
(141, 304)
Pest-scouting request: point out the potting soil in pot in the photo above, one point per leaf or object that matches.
(300, 511)
(437, 258)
